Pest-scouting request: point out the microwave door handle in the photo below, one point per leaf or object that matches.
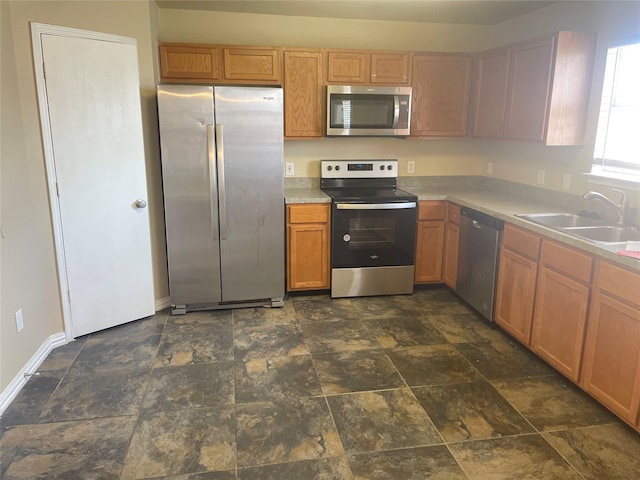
(396, 111)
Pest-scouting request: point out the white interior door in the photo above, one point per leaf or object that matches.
(92, 127)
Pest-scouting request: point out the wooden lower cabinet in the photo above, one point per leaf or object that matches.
(430, 242)
(612, 347)
(517, 282)
(308, 244)
(560, 313)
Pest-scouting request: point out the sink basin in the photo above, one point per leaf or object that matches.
(604, 234)
(562, 220)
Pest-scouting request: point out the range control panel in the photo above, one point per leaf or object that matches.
(359, 168)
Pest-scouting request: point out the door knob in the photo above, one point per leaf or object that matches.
(140, 203)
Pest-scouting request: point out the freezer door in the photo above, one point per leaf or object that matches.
(249, 136)
(190, 201)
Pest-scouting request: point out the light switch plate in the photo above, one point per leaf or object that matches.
(411, 166)
(541, 177)
(566, 181)
(489, 168)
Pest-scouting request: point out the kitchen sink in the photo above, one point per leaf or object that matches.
(562, 220)
(604, 234)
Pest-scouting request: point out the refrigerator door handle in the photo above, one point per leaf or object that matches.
(221, 182)
(211, 156)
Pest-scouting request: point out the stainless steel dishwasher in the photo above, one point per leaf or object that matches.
(479, 244)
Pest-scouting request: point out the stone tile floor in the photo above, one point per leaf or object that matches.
(400, 387)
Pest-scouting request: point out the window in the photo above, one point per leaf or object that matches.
(617, 150)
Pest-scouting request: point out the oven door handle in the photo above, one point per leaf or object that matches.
(375, 206)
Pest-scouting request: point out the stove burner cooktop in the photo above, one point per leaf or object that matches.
(362, 181)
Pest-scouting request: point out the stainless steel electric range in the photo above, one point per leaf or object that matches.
(373, 226)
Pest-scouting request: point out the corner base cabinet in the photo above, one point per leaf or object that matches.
(308, 246)
(612, 346)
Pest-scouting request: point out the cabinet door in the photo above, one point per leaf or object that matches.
(260, 64)
(450, 269)
(491, 93)
(347, 67)
(390, 68)
(612, 355)
(440, 99)
(516, 294)
(430, 242)
(308, 256)
(190, 62)
(559, 322)
(529, 87)
(303, 98)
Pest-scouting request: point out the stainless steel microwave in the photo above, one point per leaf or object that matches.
(368, 111)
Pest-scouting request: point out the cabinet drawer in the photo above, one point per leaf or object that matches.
(521, 241)
(453, 213)
(308, 213)
(619, 282)
(567, 260)
(431, 210)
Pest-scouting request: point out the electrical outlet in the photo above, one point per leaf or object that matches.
(411, 166)
(566, 181)
(540, 177)
(489, 168)
(288, 169)
(19, 320)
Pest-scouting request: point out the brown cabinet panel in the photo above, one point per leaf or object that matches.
(450, 268)
(308, 244)
(612, 356)
(179, 61)
(347, 67)
(529, 88)
(521, 241)
(516, 293)
(441, 85)
(429, 247)
(491, 93)
(453, 213)
(303, 93)
(390, 68)
(252, 64)
(559, 321)
(568, 261)
(612, 345)
(309, 213)
(431, 210)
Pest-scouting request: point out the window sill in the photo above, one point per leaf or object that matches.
(616, 180)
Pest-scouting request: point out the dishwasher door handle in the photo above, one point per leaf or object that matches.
(476, 224)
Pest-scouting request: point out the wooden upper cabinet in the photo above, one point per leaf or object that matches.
(187, 62)
(347, 68)
(200, 63)
(363, 67)
(529, 89)
(441, 85)
(261, 64)
(546, 94)
(390, 68)
(303, 93)
(491, 93)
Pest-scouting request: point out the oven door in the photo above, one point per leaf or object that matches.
(373, 234)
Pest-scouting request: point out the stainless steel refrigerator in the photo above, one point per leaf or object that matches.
(222, 169)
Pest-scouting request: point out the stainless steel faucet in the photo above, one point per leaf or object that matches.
(619, 208)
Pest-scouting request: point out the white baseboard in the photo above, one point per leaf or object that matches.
(162, 303)
(9, 393)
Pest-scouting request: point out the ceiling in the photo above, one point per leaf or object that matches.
(470, 12)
